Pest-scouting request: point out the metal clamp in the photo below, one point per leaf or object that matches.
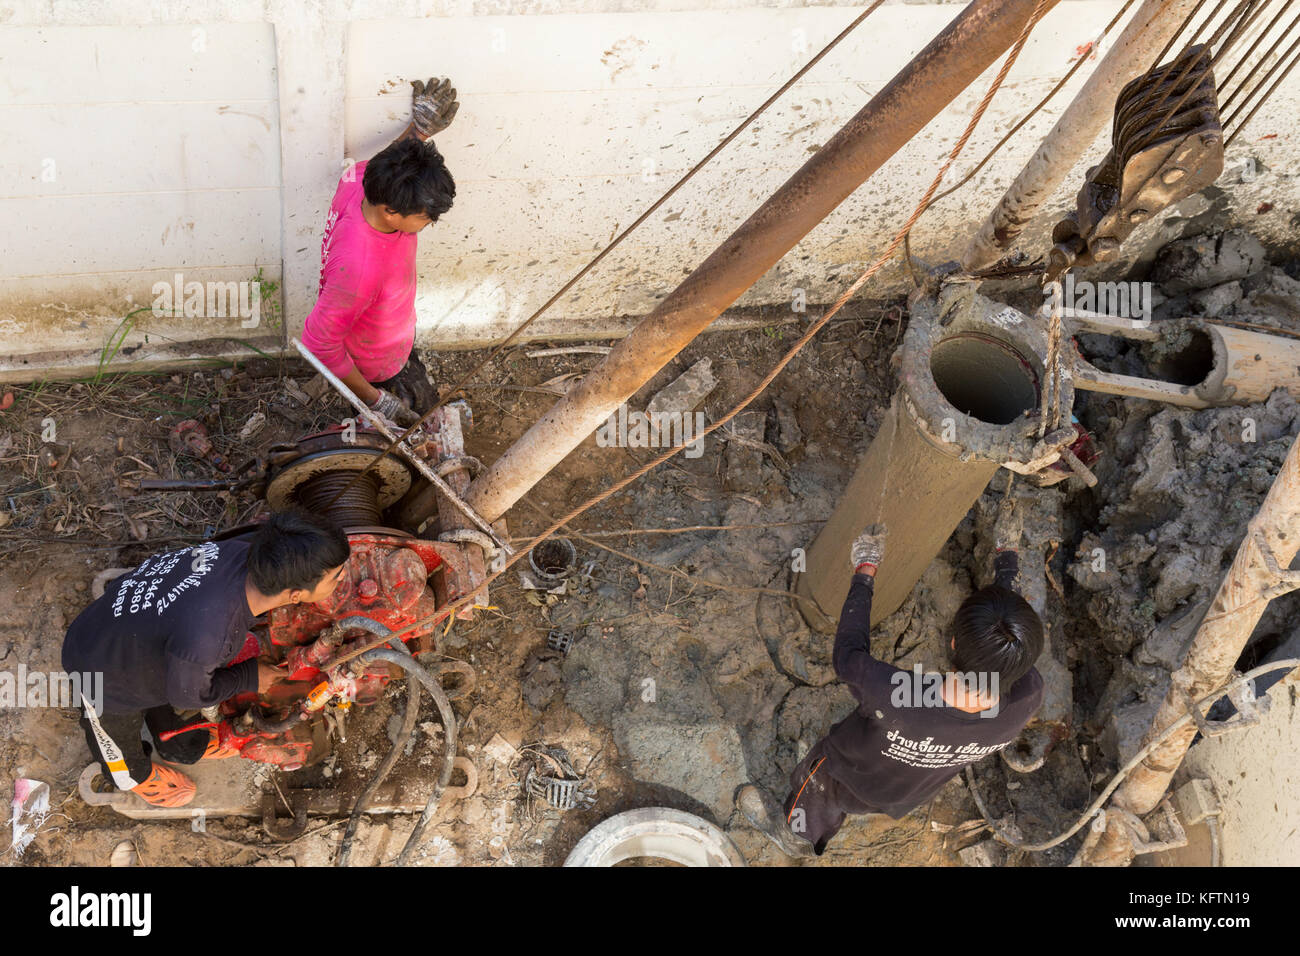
(560, 640)
(1140, 836)
(561, 794)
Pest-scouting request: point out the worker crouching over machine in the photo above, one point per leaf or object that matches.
(398, 554)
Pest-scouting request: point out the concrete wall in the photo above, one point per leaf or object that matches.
(206, 138)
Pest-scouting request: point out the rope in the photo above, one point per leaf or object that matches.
(500, 347)
(1041, 103)
(785, 360)
(717, 585)
(1051, 397)
(1124, 771)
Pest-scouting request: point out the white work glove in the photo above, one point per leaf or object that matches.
(391, 407)
(868, 547)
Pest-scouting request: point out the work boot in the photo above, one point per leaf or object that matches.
(761, 809)
(215, 750)
(165, 787)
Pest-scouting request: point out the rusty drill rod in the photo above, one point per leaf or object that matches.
(1088, 114)
(1257, 576)
(933, 78)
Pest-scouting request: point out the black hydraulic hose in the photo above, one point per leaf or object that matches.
(406, 662)
(439, 696)
(399, 744)
(267, 726)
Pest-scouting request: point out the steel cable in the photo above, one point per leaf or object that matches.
(501, 346)
(798, 346)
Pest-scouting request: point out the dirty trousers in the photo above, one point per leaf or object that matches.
(817, 805)
(124, 758)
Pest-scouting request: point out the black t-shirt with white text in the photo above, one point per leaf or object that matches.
(897, 749)
(163, 633)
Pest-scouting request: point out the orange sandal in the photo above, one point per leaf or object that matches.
(215, 750)
(166, 787)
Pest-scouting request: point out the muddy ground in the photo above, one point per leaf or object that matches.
(683, 681)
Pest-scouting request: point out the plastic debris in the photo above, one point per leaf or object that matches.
(30, 808)
(256, 422)
(124, 854)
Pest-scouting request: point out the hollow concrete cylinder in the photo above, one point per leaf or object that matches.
(660, 833)
(967, 404)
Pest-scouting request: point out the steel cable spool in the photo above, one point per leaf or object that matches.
(335, 495)
(319, 473)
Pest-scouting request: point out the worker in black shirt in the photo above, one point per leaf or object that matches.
(911, 732)
(164, 637)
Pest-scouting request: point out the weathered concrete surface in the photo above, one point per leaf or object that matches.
(653, 749)
(576, 115)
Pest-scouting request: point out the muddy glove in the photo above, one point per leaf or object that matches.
(433, 106)
(868, 548)
(391, 407)
(1009, 526)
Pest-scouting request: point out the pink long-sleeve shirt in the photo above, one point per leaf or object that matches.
(364, 316)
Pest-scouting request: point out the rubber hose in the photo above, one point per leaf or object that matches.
(449, 725)
(266, 726)
(399, 744)
(406, 662)
(1288, 664)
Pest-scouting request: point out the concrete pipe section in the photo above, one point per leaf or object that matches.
(1196, 364)
(967, 404)
(659, 833)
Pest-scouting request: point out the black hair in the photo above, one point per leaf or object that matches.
(294, 549)
(996, 632)
(410, 177)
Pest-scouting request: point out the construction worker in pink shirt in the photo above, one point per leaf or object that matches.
(363, 324)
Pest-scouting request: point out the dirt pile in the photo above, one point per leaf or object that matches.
(1145, 550)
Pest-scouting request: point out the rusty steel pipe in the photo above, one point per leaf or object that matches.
(1087, 115)
(936, 75)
